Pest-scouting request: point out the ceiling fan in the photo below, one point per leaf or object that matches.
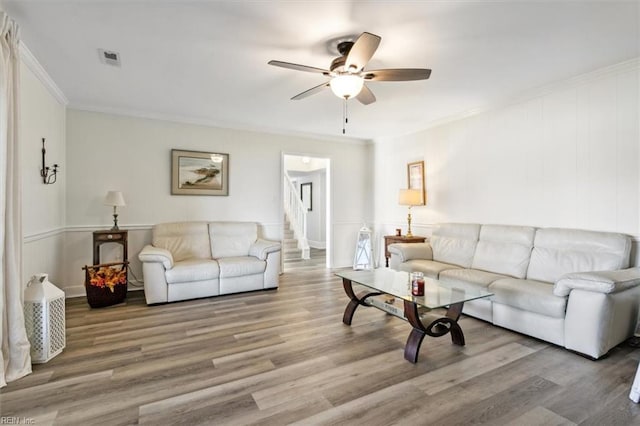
(347, 74)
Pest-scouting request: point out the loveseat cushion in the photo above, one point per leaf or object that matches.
(560, 251)
(230, 239)
(430, 268)
(240, 266)
(455, 243)
(504, 249)
(191, 270)
(469, 279)
(529, 295)
(184, 240)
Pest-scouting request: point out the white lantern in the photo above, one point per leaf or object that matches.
(44, 317)
(363, 258)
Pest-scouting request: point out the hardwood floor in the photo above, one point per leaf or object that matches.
(281, 357)
(316, 261)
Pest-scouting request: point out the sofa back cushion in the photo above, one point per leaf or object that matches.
(185, 240)
(455, 243)
(504, 249)
(559, 251)
(230, 239)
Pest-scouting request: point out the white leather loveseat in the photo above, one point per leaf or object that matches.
(569, 287)
(188, 260)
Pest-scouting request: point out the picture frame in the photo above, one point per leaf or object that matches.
(199, 173)
(306, 195)
(415, 178)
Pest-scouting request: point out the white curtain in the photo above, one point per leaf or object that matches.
(15, 360)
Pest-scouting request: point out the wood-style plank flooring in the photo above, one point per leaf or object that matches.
(284, 357)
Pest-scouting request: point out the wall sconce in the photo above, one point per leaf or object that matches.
(47, 173)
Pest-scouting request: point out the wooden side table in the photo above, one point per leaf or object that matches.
(102, 237)
(392, 239)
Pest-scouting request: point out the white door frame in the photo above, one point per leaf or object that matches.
(327, 213)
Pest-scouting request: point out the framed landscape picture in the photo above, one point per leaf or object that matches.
(199, 173)
(415, 176)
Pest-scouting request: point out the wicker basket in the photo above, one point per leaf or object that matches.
(106, 284)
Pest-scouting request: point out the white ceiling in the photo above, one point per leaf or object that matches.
(206, 61)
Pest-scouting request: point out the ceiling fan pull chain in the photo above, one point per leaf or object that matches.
(344, 116)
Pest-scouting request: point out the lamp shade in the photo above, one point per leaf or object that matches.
(410, 197)
(114, 198)
(346, 86)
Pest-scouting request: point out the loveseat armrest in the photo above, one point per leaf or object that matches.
(410, 251)
(597, 281)
(261, 248)
(156, 255)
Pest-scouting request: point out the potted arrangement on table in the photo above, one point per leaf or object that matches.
(106, 284)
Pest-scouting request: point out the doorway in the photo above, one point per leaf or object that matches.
(306, 212)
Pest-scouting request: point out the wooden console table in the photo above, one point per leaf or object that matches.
(392, 239)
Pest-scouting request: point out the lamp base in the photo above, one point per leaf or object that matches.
(409, 234)
(115, 223)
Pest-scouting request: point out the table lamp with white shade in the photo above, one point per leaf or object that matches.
(410, 197)
(115, 199)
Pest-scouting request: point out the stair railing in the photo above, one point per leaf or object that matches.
(297, 214)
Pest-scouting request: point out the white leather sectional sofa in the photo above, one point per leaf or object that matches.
(188, 260)
(569, 287)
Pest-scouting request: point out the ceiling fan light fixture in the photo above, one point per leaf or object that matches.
(346, 86)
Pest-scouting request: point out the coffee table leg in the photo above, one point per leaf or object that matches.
(356, 300)
(436, 328)
(453, 313)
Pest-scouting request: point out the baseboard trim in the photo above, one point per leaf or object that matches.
(79, 290)
(317, 244)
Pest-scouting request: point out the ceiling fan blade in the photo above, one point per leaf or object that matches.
(398, 74)
(310, 92)
(361, 52)
(298, 67)
(366, 96)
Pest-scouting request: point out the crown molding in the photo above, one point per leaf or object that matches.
(207, 122)
(527, 95)
(41, 74)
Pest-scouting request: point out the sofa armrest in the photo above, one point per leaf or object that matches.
(598, 281)
(261, 248)
(410, 251)
(155, 254)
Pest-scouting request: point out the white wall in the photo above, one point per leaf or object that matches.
(566, 156)
(133, 155)
(41, 116)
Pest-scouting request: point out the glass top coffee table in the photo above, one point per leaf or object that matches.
(416, 309)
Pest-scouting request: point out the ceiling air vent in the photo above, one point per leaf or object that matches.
(109, 57)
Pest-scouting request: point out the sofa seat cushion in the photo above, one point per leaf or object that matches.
(191, 270)
(430, 268)
(239, 266)
(469, 279)
(529, 295)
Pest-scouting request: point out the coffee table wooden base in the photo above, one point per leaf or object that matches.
(437, 326)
